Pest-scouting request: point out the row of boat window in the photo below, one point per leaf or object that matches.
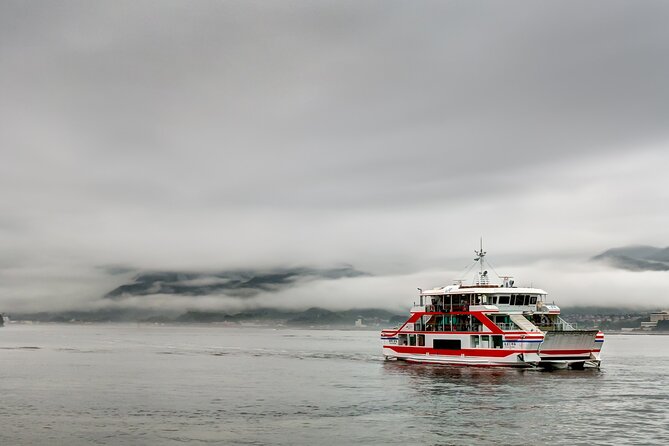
(486, 341)
(462, 322)
(513, 299)
(411, 339)
(476, 299)
(447, 323)
(477, 341)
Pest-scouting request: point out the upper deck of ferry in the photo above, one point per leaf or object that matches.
(485, 297)
(481, 290)
(482, 295)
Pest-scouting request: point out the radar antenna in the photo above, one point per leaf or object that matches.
(480, 254)
(483, 275)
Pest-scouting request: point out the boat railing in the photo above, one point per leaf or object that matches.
(561, 325)
(440, 308)
(447, 327)
(507, 327)
(567, 325)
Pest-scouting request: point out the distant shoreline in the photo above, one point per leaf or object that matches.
(246, 325)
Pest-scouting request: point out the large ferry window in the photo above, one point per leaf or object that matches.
(446, 344)
(496, 341)
(421, 340)
(485, 342)
(503, 300)
(533, 300)
(402, 339)
(412, 339)
(492, 299)
(475, 341)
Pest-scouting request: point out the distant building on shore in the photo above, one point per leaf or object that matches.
(659, 316)
(655, 317)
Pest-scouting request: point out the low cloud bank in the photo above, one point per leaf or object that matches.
(569, 284)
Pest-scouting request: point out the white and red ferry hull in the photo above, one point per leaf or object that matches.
(548, 350)
(517, 350)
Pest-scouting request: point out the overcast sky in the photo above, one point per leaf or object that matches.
(386, 135)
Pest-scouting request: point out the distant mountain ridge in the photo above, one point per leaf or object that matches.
(235, 283)
(314, 316)
(636, 258)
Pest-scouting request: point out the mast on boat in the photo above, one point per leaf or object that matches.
(483, 275)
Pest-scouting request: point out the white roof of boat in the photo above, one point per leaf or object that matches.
(469, 289)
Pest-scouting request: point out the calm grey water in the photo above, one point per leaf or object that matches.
(161, 385)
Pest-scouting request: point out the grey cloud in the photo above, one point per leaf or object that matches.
(391, 135)
(636, 258)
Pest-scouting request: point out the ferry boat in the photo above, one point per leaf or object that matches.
(485, 324)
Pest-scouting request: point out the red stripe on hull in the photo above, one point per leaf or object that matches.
(464, 364)
(488, 323)
(495, 353)
(565, 352)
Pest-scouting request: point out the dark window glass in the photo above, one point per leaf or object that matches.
(533, 300)
(503, 300)
(446, 344)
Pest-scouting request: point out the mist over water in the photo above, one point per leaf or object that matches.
(140, 384)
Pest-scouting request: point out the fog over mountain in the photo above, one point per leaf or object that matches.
(636, 258)
(229, 283)
(144, 137)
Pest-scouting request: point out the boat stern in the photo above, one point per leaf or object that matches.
(389, 338)
(571, 349)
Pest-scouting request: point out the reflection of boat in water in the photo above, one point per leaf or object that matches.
(486, 324)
